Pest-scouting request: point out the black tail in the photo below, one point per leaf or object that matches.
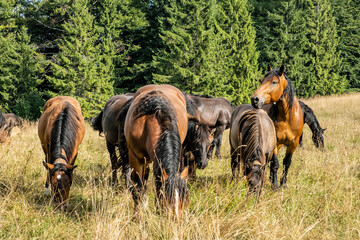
(96, 122)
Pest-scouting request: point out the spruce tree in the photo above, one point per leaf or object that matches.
(76, 70)
(243, 56)
(324, 63)
(347, 14)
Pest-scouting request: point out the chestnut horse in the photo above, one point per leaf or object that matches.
(107, 122)
(311, 120)
(286, 113)
(215, 113)
(155, 126)
(252, 143)
(61, 129)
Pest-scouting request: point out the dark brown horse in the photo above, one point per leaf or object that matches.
(155, 126)
(108, 122)
(286, 113)
(314, 125)
(197, 142)
(215, 113)
(11, 121)
(61, 130)
(252, 143)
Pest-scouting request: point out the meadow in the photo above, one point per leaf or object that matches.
(322, 200)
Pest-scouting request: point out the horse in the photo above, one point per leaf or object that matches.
(155, 126)
(197, 142)
(215, 113)
(107, 122)
(11, 121)
(311, 120)
(252, 143)
(61, 129)
(3, 134)
(285, 111)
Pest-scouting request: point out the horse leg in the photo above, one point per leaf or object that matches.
(137, 178)
(274, 166)
(192, 169)
(113, 160)
(301, 140)
(218, 144)
(287, 162)
(235, 164)
(217, 137)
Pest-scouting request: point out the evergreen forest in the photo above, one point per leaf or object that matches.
(92, 49)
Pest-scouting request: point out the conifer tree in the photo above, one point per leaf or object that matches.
(324, 63)
(243, 56)
(77, 68)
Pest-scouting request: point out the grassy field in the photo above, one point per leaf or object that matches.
(322, 200)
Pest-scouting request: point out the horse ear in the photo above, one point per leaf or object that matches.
(196, 127)
(324, 129)
(165, 174)
(269, 68)
(213, 131)
(48, 166)
(184, 173)
(282, 69)
(70, 167)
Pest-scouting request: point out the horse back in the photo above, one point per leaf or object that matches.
(52, 109)
(110, 122)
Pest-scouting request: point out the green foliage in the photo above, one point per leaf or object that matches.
(77, 68)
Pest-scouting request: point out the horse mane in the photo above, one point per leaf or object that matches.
(63, 134)
(190, 105)
(250, 128)
(203, 95)
(168, 149)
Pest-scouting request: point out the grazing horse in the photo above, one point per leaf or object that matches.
(11, 121)
(286, 113)
(155, 126)
(197, 141)
(3, 133)
(252, 143)
(313, 123)
(215, 113)
(61, 129)
(107, 122)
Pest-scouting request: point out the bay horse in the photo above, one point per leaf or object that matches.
(311, 120)
(11, 121)
(61, 129)
(215, 113)
(155, 126)
(252, 143)
(197, 142)
(285, 111)
(107, 122)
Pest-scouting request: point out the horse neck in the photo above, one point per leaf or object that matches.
(283, 106)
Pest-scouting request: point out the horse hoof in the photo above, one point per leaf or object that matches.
(47, 192)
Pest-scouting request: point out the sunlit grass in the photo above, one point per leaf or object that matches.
(322, 200)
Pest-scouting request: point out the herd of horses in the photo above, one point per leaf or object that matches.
(177, 132)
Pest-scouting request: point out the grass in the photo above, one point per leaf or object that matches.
(322, 200)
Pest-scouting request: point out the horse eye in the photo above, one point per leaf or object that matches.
(274, 82)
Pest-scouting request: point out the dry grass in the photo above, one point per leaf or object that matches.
(322, 200)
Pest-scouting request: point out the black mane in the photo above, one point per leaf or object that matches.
(2, 120)
(63, 134)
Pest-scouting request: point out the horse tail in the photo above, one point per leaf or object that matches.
(251, 141)
(63, 134)
(96, 122)
(168, 148)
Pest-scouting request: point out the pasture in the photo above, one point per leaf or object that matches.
(322, 200)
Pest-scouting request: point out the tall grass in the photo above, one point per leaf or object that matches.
(322, 200)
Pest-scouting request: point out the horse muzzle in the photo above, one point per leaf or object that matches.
(257, 102)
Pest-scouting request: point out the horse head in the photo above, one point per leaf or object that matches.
(318, 138)
(60, 179)
(271, 89)
(201, 142)
(255, 177)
